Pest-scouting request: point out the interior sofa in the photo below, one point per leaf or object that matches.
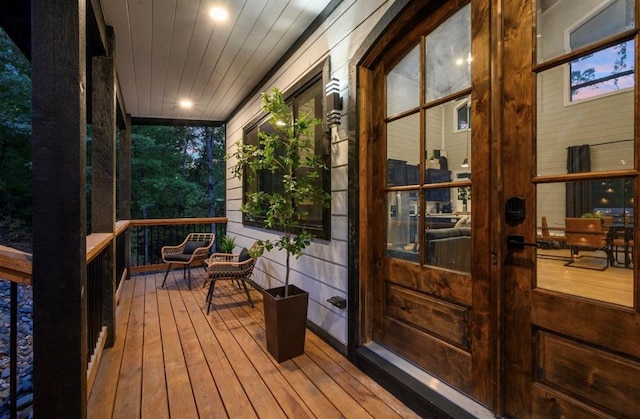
(449, 248)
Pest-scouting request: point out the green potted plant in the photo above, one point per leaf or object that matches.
(287, 151)
(227, 244)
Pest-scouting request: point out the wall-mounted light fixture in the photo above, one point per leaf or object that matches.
(338, 301)
(334, 102)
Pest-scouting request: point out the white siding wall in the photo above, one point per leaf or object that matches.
(600, 120)
(561, 124)
(322, 270)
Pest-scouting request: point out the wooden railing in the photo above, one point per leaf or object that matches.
(15, 266)
(148, 237)
(137, 249)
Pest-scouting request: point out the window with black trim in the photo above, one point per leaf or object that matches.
(307, 97)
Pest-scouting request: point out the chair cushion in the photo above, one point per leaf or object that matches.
(191, 246)
(178, 257)
(244, 255)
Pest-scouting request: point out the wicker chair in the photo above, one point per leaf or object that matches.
(234, 267)
(192, 251)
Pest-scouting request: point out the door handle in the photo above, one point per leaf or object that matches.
(516, 243)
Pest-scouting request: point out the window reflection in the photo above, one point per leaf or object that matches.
(402, 225)
(448, 141)
(448, 56)
(605, 125)
(605, 71)
(403, 84)
(447, 236)
(566, 25)
(586, 235)
(403, 151)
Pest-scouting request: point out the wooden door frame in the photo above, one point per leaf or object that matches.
(530, 314)
(486, 243)
(518, 89)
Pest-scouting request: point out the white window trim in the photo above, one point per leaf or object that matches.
(580, 22)
(566, 67)
(466, 101)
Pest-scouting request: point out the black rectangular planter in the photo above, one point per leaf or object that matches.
(285, 322)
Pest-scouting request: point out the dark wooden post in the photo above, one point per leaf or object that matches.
(124, 200)
(59, 208)
(103, 157)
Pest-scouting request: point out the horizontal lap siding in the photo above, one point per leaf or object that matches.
(560, 125)
(322, 270)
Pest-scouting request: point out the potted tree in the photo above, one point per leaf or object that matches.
(287, 151)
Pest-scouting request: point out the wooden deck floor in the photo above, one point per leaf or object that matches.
(171, 359)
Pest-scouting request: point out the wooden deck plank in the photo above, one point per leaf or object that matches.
(154, 386)
(204, 388)
(232, 396)
(287, 397)
(128, 400)
(261, 398)
(347, 406)
(365, 398)
(373, 387)
(320, 405)
(103, 394)
(181, 400)
(217, 365)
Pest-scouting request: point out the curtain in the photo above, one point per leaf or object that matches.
(578, 200)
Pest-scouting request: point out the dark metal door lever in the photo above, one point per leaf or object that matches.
(516, 243)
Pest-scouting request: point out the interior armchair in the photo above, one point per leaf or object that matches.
(235, 267)
(587, 233)
(557, 238)
(194, 250)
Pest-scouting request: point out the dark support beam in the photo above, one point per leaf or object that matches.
(167, 122)
(124, 199)
(58, 59)
(103, 158)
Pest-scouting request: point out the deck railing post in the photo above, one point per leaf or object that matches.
(13, 348)
(59, 124)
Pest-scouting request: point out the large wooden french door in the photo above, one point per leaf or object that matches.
(424, 101)
(463, 159)
(571, 312)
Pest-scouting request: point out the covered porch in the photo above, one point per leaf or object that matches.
(171, 359)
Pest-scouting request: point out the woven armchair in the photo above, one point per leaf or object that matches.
(192, 251)
(234, 267)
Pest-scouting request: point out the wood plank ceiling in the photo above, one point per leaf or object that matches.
(172, 50)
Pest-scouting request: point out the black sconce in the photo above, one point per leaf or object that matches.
(334, 102)
(338, 301)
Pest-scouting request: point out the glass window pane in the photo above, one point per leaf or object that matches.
(587, 244)
(565, 25)
(448, 139)
(403, 151)
(588, 135)
(447, 235)
(402, 225)
(448, 56)
(403, 84)
(605, 71)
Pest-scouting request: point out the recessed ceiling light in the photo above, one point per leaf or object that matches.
(185, 103)
(218, 13)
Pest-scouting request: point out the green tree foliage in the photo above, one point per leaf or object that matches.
(289, 151)
(176, 171)
(15, 135)
(171, 174)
